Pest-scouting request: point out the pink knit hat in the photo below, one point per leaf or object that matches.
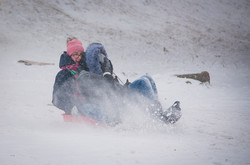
(74, 46)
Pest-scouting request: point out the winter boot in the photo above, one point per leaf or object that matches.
(172, 114)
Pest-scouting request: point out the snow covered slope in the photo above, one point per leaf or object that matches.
(162, 38)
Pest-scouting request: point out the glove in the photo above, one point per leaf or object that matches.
(127, 83)
(106, 66)
(108, 77)
(107, 69)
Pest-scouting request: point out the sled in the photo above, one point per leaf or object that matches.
(81, 119)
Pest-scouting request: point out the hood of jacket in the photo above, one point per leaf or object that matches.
(93, 53)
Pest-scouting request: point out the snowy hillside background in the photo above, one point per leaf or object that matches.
(161, 38)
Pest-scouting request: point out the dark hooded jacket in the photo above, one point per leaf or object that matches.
(65, 86)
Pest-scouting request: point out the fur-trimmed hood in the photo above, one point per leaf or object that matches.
(93, 53)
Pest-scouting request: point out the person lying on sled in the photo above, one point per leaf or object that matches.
(87, 82)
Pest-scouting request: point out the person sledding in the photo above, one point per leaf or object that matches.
(87, 83)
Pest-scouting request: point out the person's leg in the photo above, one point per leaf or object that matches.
(153, 85)
(92, 111)
(103, 113)
(144, 86)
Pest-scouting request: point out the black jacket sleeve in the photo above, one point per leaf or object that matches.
(65, 60)
(63, 91)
